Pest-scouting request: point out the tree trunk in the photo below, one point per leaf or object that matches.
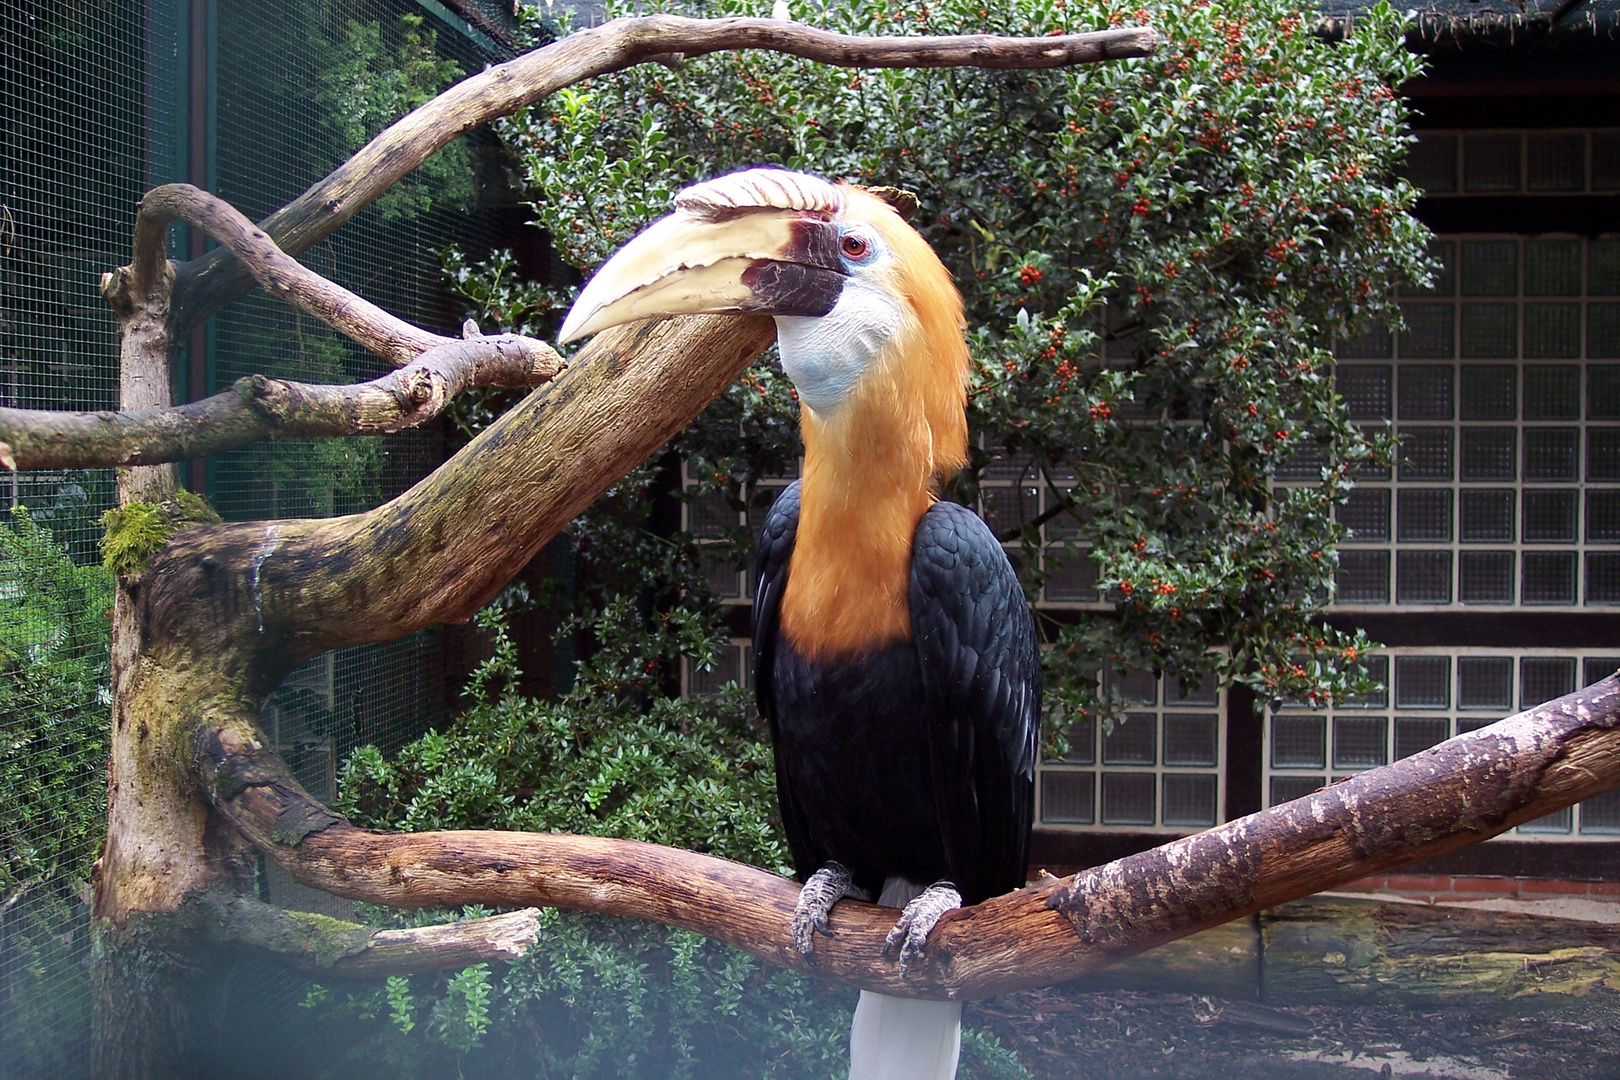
(152, 991)
(145, 981)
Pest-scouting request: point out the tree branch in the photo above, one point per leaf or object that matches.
(331, 948)
(283, 591)
(281, 276)
(205, 285)
(1460, 792)
(257, 407)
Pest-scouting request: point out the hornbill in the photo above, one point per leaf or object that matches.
(895, 656)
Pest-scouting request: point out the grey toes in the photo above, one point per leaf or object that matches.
(825, 888)
(910, 934)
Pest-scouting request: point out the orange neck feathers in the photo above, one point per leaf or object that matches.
(871, 463)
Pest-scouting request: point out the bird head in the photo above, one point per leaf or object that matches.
(865, 311)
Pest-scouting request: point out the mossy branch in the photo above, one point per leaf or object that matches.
(330, 948)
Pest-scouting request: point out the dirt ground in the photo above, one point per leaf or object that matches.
(1126, 1035)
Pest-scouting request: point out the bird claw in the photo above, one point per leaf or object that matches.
(910, 933)
(825, 888)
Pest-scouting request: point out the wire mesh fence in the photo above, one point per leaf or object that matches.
(99, 102)
(81, 131)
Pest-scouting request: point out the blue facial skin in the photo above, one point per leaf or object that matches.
(826, 355)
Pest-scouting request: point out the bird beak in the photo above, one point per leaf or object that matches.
(762, 261)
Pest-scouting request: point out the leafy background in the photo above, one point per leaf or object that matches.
(54, 698)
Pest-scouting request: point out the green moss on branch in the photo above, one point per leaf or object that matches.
(138, 530)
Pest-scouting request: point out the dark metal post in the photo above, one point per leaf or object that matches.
(198, 131)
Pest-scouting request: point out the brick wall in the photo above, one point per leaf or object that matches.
(1432, 888)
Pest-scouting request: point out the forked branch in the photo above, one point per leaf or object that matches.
(1454, 794)
(279, 274)
(205, 285)
(257, 407)
(437, 367)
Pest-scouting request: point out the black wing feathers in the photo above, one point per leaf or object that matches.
(966, 693)
(981, 674)
(770, 576)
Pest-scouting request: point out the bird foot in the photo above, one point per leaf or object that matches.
(825, 888)
(910, 934)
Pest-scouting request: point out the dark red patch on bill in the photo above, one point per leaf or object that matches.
(791, 288)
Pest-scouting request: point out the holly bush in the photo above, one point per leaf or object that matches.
(1156, 256)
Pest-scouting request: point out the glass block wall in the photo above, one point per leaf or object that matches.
(1507, 489)
(724, 524)
(1013, 493)
(1550, 162)
(1155, 766)
(1430, 695)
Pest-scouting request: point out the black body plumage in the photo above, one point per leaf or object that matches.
(916, 760)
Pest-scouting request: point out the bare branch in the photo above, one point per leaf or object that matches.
(257, 407)
(205, 285)
(281, 276)
(330, 948)
(1457, 793)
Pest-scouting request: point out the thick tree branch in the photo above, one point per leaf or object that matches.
(280, 275)
(257, 407)
(329, 948)
(438, 552)
(1458, 793)
(207, 284)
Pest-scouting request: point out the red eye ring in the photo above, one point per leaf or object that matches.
(855, 246)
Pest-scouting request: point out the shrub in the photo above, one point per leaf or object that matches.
(597, 996)
(1156, 256)
(54, 701)
(54, 695)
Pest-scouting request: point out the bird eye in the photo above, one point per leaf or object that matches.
(855, 246)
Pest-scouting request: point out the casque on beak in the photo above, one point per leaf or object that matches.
(761, 241)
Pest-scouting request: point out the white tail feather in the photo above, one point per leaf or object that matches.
(904, 1038)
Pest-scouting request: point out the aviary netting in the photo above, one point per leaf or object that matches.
(209, 618)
